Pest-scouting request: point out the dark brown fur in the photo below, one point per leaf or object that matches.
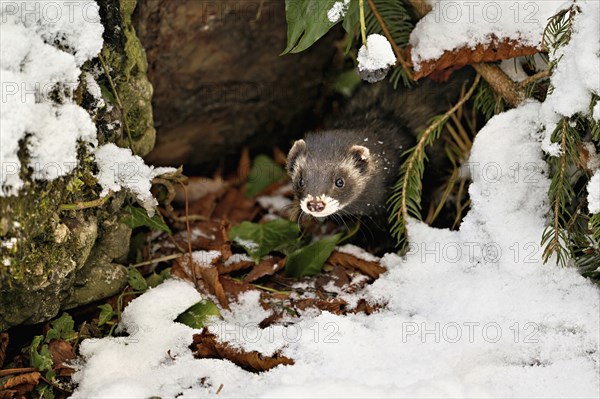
(386, 122)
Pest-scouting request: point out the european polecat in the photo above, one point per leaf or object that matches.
(350, 168)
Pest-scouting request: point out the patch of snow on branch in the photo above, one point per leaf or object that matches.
(375, 58)
(455, 24)
(593, 189)
(119, 169)
(43, 47)
(577, 74)
(337, 11)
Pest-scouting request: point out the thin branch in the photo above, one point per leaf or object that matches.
(119, 103)
(420, 147)
(363, 25)
(533, 78)
(189, 237)
(5, 372)
(501, 83)
(156, 260)
(85, 204)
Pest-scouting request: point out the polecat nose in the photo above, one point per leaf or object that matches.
(315, 206)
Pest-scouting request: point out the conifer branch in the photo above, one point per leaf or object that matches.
(407, 196)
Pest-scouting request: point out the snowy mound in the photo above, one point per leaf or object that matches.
(43, 47)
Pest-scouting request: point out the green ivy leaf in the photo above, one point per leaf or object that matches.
(309, 260)
(199, 314)
(155, 279)
(106, 314)
(351, 19)
(62, 328)
(136, 280)
(260, 239)
(263, 173)
(41, 360)
(137, 217)
(44, 391)
(307, 22)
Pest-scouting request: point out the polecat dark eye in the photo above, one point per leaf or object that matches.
(339, 182)
(301, 182)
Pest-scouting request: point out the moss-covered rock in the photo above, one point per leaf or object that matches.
(124, 53)
(59, 245)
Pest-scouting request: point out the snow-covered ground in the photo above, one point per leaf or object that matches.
(470, 313)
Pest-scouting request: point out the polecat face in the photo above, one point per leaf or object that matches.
(325, 182)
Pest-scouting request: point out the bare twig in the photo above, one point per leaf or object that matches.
(189, 236)
(534, 78)
(118, 99)
(85, 204)
(501, 83)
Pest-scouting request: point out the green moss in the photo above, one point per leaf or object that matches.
(47, 255)
(126, 58)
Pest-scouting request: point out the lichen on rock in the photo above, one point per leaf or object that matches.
(53, 254)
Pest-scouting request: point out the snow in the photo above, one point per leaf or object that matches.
(593, 189)
(468, 313)
(43, 47)
(577, 74)
(206, 258)
(337, 11)
(513, 68)
(376, 55)
(119, 169)
(593, 162)
(237, 258)
(357, 252)
(274, 203)
(455, 24)
(466, 24)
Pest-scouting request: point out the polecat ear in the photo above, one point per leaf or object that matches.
(362, 156)
(298, 149)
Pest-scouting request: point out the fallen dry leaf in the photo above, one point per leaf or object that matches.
(8, 394)
(207, 236)
(206, 273)
(32, 378)
(496, 50)
(61, 352)
(234, 267)
(267, 267)
(332, 305)
(210, 277)
(233, 287)
(200, 187)
(244, 166)
(371, 269)
(206, 346)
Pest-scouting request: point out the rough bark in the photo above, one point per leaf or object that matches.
(219, 81)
